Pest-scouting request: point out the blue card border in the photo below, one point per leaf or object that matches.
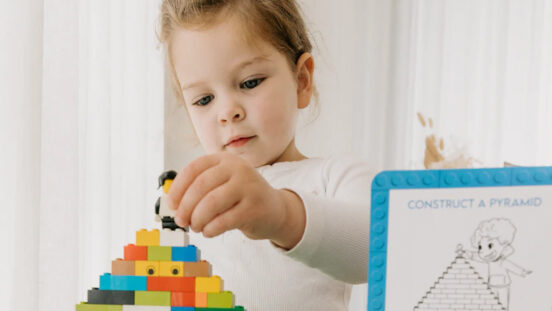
(424, 179)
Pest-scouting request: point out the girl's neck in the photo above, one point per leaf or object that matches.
(290, 154)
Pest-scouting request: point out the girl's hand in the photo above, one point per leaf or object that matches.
(221, 192)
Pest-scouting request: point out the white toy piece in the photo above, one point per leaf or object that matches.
(176, 237)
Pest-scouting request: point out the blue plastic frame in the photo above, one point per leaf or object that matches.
(424, 179)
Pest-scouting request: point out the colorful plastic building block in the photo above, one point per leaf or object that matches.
(177, 237)
(110, 297)
(159, 253)
(173, 284)
(201, 300)
(122, 282)
(208, 284)
(188, 253)
(152, 298)
(146, 268)
(147, 238)
(200, 268)
(183, 299)
(98, 307)
(134, 252)
(220, 300)
(171, 268)
(122, 267)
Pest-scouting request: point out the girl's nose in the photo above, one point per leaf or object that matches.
(232, 113)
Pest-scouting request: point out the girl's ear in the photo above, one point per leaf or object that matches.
(305, 70)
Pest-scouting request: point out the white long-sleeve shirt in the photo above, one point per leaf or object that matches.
(333, 253)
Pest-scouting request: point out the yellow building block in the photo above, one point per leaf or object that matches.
(146, 268)
(171, 268)
(208, 284)
(147, 238)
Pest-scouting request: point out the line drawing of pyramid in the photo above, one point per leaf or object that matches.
(459, 288)
(161, 272)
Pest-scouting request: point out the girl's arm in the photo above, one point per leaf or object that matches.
(336, 234)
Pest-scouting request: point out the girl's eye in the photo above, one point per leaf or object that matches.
(480, 248)
(250, 84)
(204, 100)
(490, 245)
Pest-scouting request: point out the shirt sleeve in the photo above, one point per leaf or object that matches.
(336, 237)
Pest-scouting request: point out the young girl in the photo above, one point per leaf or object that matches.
(243, 70)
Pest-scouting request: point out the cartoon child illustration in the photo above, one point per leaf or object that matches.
(493, 240)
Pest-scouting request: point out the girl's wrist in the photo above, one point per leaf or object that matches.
(292, 229)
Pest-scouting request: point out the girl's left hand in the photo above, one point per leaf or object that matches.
(220, 192)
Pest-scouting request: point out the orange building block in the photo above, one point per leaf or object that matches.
(133, 252)
(200, 300)
(122, 267)
(169, 283)
(200, 268)
(183, 299)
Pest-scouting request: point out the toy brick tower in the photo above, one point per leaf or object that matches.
(161, 272)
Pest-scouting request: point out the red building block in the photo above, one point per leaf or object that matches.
(133, 252)
(169, 283)
(183, 299)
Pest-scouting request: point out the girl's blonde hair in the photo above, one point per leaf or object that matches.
(278, 22)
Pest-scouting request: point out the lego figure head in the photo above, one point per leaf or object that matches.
(493, 239)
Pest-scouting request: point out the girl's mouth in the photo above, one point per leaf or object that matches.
(239, 142)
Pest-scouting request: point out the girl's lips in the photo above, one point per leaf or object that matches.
(239, 142)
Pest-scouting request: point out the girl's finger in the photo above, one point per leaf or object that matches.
(187, 175)
(228, 220)
(206, 182)
(216, 202)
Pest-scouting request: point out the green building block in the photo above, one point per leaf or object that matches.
(160, 253)
(91, 307)
(152, 298)
(220, 300)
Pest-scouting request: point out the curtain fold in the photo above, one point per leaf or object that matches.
(82, 109)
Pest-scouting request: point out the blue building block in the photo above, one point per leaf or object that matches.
(182, 309)
(186, 253)
(123, 282)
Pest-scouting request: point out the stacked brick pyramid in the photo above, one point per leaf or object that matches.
(161, 272)
(459, 288)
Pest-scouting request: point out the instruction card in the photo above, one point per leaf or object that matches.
(468, 247)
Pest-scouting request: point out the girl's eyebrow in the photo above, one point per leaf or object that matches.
(260, 58)
(257, 59)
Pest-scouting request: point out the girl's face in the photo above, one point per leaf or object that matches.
(241, 98)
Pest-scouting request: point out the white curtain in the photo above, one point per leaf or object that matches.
(82, 93)
(481, 69)
(82, 119)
